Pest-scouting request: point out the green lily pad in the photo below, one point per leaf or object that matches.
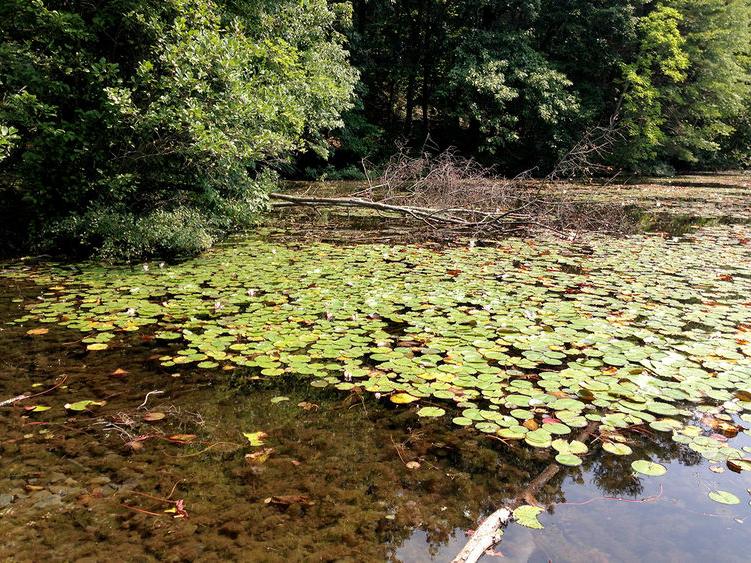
(526, 515)
(431, 412)
(568, 459)
(646, 467)
(724, 497)
(617, 449)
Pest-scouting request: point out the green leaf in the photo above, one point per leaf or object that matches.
(431, 412)
(256, 438)
(526, 515)
(724, 497)
(617, 449)
(83, 405)
(646, 467)
(568, 459)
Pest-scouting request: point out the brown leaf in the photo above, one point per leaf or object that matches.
(738, 465)
(119, 372)
(412, 465)
(259, 457)
(530, 424)
(37, 331)
(720, 426)
(182, 438)
(154, 416)
(307, 406)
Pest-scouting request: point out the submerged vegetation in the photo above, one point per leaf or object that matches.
(526, 341)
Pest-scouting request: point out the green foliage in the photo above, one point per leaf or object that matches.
(518, 83)
(122, 119)
(660, 61)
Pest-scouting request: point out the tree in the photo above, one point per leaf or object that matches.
(158, 118)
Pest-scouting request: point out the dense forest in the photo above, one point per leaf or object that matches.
(142, 127)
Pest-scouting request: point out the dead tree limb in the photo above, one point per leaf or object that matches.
(456, 217)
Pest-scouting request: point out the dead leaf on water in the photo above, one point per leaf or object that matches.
(37, 331)
(182, 438)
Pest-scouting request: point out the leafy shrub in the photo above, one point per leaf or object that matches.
(137, 127)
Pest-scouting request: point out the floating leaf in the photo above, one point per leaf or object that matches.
(646, 467)
(83, 405)
(154, 416)
(526, 515)
(568, 459)
(724, 497)
(182, 438)
(37, 331)
(279, 399)
(431, 412)
(97, 346)
(617, 449)
(259, 457)
(402, 398)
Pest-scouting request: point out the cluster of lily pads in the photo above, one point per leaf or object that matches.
(529, 341)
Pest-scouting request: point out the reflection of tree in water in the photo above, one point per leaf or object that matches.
(613, 474)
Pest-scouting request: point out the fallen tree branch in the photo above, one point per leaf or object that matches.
(455, 217)
(488, 533)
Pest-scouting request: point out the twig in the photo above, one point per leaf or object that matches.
(146, 399)
(141, 510)
(24, 397)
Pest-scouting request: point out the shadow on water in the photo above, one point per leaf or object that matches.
(335, 484)
(678, 224)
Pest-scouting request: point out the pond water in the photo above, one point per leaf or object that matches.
(277, 401)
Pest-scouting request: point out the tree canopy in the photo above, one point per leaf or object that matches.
(132, 127)
(136, 126)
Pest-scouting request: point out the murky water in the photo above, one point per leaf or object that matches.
(336, 486)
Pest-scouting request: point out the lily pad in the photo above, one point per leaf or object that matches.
(568, 459)
(526, 515)
(724, 497)
(646, 467)
(617, 449)
(431, 412)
